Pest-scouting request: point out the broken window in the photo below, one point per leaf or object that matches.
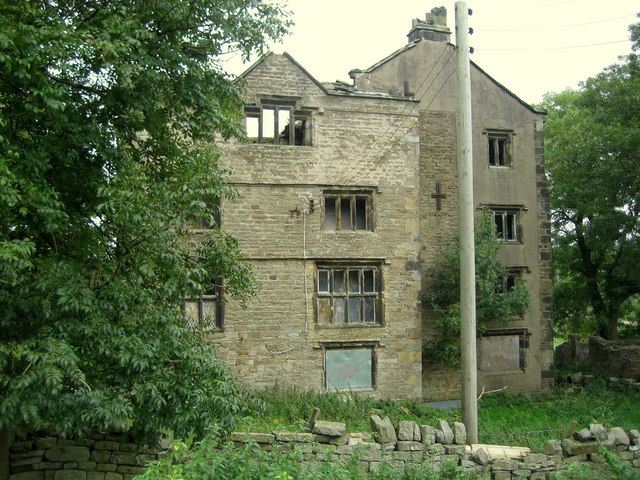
(507, 224)
(500, 148)
(347, 211)
(205, 312)
(503, 350)
(509, 281)
(272, 123)
(349, 368)
(348, 295)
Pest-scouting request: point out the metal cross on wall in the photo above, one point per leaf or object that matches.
(438, 196)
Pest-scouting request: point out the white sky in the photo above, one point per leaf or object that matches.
(530, 46)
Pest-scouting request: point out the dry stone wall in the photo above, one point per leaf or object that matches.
(408, 443)
(100, 457)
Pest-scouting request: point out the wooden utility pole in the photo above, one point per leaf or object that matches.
(466, 217)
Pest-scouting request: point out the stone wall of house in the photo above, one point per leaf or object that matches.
(407, 443)
(99, 457)
(611, 358)
(362, 144)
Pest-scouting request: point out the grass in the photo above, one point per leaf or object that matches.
(503, 419)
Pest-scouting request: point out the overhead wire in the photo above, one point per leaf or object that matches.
(400, 116)
(353, 173)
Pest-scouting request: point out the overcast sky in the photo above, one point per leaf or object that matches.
(530, 46)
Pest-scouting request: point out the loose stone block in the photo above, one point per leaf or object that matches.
(501, 475)
(409, 446)
(572, 447)
(583, 435)
(404, 430)
(67, 454)
(106, 445)
(20, 447)
(330, 429)
(620, 437)
(251, 437)
(634, 437)
(455, 449)
(417, 435)
(95, 475)
(123, 458)
(599, 432)
(39, 475)
(428, 434)
(70, 475)
(106, 467)
(459, 433)
(505, 464)
(101, 456)
(480, 457)
(576, 458)
(46, 442)
(446, 432)
(384, 429)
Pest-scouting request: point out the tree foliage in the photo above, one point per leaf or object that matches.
(107, 117)
(494, 304)
(593, 160)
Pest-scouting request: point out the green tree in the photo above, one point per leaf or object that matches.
(593, 160)
(108, 112)
(494, 302)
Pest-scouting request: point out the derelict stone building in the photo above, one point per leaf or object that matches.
(348, 194)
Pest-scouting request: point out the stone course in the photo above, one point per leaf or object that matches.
(103, 457)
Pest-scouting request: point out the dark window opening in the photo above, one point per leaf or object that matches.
(347, 212)
(507, 225)
(500, 149)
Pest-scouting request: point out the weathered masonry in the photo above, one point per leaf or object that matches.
(348, 194)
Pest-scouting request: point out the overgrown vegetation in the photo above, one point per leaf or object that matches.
(496, 302)
(107, 114)
(504, 419)
(592, 140)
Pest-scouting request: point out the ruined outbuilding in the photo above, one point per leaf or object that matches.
(348, 194)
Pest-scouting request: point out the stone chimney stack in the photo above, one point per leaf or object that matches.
(434, 28)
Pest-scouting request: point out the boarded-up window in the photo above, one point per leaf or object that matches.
(348, 295)
(347, 211)
(349, 368)
(500, 352)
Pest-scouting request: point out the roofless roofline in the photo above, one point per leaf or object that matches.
(292, 60)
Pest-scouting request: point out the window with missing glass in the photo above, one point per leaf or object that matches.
(507, 224)
(348, 295)
(500, 147)
(278, 124)
(348, 211)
